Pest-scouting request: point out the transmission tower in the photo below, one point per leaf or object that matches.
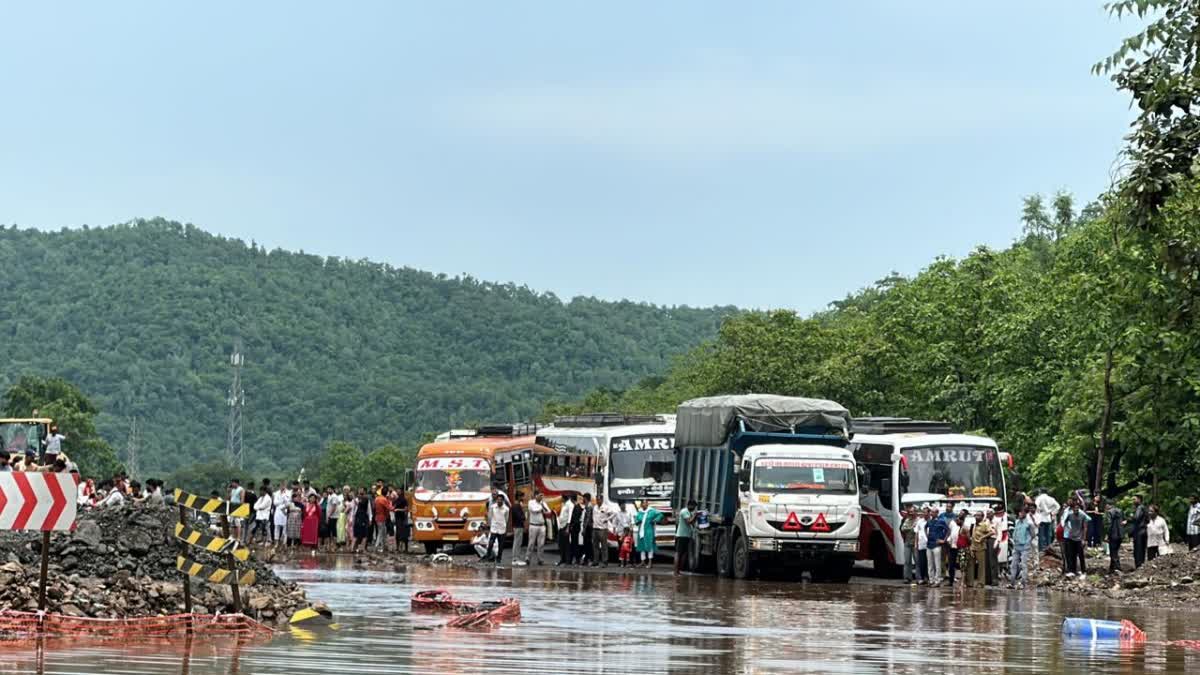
(237, 399)
(133, 450)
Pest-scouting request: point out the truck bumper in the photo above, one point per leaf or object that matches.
(805, 548)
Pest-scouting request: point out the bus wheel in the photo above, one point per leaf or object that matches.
(743, 563)
(431, 547)
(724, 554)
(879, 559)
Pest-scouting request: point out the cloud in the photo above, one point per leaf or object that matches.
(695, 114)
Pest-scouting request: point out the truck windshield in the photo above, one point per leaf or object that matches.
(804, 475)
(962, 471)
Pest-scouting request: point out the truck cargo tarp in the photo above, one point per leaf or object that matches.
(708, 422)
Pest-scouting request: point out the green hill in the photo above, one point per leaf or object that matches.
(143, 317)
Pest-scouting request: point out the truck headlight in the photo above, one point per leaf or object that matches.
(847, 546)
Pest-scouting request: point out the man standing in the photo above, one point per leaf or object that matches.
(1138, 531)
(537, 511)
(935, 537)
(566, 513)
(1193, 524)
(908, 531)
(585, 532)
(1047, 516)
(237, 495)
(922, 546)
(1022, 538)
(497, 527)
(518, 527)
(54, 444)
(685, 519)
(1074, 524)
(603, 521)
(1116, 534)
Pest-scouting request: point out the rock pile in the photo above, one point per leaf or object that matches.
(1170, 580)
(120, 562)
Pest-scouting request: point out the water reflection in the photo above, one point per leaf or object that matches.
(629, 623)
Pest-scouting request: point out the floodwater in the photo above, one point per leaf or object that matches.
(579, 622)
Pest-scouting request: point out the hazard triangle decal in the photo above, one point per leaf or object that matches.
(792, 524)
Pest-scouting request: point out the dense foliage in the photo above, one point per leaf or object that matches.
(143, 316)
(1066, 348)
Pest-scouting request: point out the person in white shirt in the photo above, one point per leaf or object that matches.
(113, 498)
(1193, 524)
(54, 444)
(604, 517)
(1158, 535)
(282, 501)
(564, 529)
(498, 526)
(535, 519)
(262, 517)
(1046, 517)
(922, 544)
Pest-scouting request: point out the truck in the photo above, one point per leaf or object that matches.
(774, 484)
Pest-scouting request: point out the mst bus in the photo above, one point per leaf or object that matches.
(454, 477)
(915, 463)
(635, 456)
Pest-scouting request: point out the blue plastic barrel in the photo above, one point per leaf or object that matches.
(1091, 629)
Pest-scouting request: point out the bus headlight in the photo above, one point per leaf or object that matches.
(474, 524)
(424, 525)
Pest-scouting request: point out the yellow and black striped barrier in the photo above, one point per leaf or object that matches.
(212, 574)
(211, 543)
(213, 505)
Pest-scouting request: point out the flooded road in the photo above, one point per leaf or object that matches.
(576, 622)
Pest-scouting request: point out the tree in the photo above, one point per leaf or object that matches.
(388, 463)
(342, 464)
(73, 413)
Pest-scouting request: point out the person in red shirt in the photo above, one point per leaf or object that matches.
(383, 511)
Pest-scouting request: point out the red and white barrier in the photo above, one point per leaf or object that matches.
(37, 501)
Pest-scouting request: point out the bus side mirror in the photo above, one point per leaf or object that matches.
(864, 480)
(409, 478)
(885, 492)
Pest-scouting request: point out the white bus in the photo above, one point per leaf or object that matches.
(914, 463)
(636, 458)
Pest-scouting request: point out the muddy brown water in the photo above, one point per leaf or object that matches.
(580, 622)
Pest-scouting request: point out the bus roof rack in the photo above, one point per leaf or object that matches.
(606, 419)
(518, 429)
(899, 425)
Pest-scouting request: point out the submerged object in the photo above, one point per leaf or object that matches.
(1098, 630)
(317, 615)
(485, 615)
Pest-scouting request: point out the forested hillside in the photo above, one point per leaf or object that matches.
(142, 318)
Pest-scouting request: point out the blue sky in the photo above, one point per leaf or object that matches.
(768, 154)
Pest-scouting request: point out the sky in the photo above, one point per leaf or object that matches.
(765, 155)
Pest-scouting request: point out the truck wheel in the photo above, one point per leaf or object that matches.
(432, 547)
(724, 555)
(743, 563)
(840, 572)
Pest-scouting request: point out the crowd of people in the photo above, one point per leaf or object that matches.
(987, 547)
(583, 525)
(299, 514)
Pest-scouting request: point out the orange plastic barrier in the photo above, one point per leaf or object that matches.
(478, 615)
(1130, 633)
(509, 611)
(17, 625)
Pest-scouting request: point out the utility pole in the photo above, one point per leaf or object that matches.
(234, 455)
(133, 450)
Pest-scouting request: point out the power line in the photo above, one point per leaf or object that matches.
(133, 449)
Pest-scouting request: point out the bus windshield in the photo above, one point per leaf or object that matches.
(956, 471)
(641, 466)
(804, 475)
(453, 474)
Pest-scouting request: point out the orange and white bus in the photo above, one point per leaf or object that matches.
(454, 477)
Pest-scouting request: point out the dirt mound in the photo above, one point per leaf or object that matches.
(1169, 580)
(120, 562)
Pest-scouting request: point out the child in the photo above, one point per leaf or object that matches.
(626, 547)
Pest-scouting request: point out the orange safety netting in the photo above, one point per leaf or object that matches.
(1130, 633)
(17, 625)
(483, 615)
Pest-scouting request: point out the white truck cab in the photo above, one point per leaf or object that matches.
(800, 499)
